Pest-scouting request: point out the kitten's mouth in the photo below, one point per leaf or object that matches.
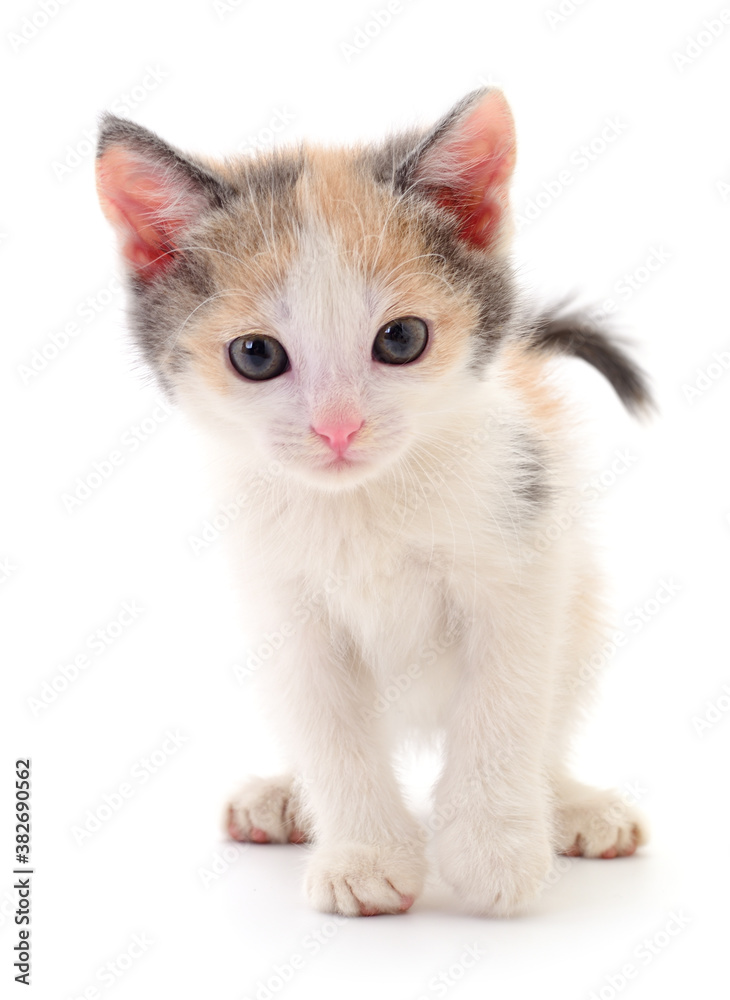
(334, 472)
(342, 467)
(340, 462)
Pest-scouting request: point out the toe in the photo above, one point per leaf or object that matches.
(232, 827)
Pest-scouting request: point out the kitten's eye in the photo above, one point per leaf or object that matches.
(258, 357)
(400, 341)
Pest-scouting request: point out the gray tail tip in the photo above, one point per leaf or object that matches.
(575, 333)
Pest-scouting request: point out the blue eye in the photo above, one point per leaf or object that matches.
(258, 357)
(400, 341)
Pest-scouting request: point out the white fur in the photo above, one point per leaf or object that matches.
(417, 571)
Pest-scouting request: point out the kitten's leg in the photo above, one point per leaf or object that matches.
(496, 850)
(369, 852)
(267, 811)
(592, 822)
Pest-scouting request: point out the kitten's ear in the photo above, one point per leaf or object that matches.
(151, 193)
(465, 164)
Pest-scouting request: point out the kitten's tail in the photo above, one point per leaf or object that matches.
(576, 334)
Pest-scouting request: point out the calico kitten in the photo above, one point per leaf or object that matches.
(345, 327)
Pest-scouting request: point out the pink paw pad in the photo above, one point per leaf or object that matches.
(259, 836)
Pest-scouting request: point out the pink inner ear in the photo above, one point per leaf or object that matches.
(147, 205)
(470, 170)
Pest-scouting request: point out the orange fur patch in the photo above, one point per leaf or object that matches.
(527, 373)
(250, 254)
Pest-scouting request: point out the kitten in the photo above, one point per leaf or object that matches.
(345, 327)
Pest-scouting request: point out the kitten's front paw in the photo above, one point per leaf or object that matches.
(497, 870)
(266, 811)
(365, 879)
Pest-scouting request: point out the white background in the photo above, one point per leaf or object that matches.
(220, 76)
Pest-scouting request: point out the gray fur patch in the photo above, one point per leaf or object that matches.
(487, 278)
(260, 188)
(532, 484)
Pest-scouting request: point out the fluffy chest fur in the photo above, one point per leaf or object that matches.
(397, 570)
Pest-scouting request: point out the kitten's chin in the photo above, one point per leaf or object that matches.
(344, 473)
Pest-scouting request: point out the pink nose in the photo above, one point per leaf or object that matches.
(338, 436)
